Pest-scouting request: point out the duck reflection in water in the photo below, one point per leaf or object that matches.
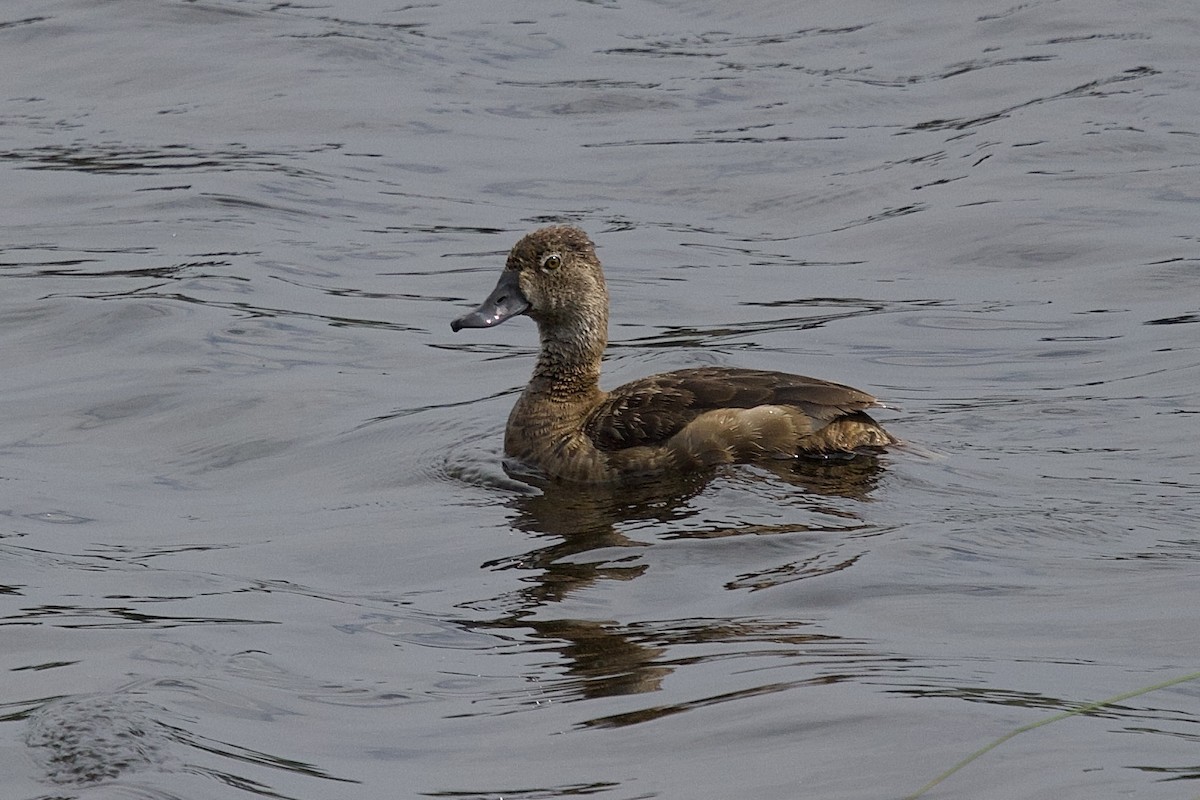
(590, 518)
(597, 534)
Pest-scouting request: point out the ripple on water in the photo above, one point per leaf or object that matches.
(89, 739)
(447, 444)
(58, 518)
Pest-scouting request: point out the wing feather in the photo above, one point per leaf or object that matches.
(651, 410)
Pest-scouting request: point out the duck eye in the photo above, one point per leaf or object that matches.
(551, 262)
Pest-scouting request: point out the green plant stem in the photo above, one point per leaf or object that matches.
(1084, 709)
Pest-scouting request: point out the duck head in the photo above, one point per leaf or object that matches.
(553, 276)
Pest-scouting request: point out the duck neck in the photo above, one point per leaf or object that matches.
(568, 365)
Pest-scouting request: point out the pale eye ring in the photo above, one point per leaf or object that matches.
(551, 262)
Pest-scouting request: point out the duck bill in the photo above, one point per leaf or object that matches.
(506, 300)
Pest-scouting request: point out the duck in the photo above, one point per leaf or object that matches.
(564, 428)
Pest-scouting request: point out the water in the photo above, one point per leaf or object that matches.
(255, 536)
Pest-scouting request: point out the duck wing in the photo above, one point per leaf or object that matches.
(651, 410)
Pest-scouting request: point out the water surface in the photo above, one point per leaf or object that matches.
(255, 539)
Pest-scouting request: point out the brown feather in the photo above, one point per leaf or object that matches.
(651, 410)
